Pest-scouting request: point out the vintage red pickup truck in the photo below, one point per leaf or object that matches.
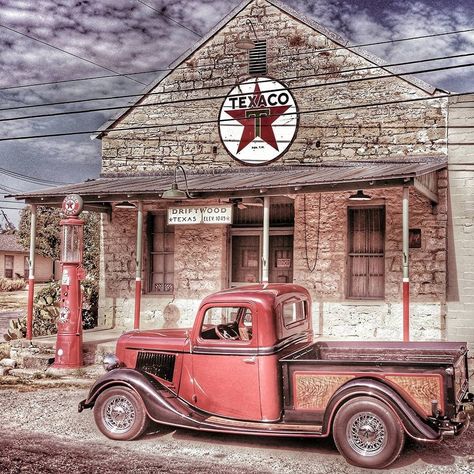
(250, 365)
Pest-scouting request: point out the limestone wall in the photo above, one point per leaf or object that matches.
(460, 322)
(393, 131)
(201, 267)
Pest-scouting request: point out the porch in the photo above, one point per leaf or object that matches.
(125, 201)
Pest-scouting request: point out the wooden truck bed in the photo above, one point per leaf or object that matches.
(380, 352)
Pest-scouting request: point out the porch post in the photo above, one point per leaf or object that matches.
(266, 238)
(406, 278)
(138, 266)
(31, 275)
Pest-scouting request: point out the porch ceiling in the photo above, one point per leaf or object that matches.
(248, 181)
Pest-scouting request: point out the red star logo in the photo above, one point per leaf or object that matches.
(257, 120)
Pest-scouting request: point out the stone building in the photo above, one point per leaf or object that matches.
(302, 160)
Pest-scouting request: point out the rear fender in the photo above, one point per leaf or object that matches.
(414, 425)
(162, 405)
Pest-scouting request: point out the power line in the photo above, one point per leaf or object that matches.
(199, 99)
(352, 70)
(169, 18)
(66, 52)
(296, 53)
(206, 122)
(31, 179)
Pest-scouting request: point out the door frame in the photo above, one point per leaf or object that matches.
(254, 231)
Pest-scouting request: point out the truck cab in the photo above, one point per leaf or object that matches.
(249, 365)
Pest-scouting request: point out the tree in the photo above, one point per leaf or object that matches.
(48, 235)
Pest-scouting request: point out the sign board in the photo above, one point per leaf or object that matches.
(283, 263)
(218, 214)
(258, 121)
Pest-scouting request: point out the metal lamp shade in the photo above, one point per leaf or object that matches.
(174, 193)
(359, 196)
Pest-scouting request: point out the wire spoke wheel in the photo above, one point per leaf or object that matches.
(120, 414)
(366, 434)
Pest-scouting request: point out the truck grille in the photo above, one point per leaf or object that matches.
(156, 363)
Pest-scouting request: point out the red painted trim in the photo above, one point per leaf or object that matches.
(29, 314)
(406, 311)
(138, 299)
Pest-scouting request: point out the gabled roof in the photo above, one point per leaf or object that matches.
(338, 39)
(9, 243)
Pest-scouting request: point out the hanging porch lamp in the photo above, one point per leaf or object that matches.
(174, 192)
(360, 196)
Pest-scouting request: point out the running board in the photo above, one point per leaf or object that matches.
(264, 426)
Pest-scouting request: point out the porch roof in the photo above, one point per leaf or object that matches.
(248, 181)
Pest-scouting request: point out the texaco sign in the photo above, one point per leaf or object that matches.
(258, 121)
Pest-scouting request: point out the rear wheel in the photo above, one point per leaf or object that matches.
(367, 433)
(120, 414)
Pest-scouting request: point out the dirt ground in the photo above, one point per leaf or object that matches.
(16, 300)
(41, 431)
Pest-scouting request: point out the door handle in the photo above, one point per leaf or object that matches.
(250, 360)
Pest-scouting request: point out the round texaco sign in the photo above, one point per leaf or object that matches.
(72, 205)
(258, 121)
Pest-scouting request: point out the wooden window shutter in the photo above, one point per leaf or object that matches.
(366, 259)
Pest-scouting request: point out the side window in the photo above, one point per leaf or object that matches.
(233, 323)
(293, 313)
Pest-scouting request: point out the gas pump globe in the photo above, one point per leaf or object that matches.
(69, 339)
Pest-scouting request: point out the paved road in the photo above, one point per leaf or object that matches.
(41, 431)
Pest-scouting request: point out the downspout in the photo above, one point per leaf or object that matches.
(31, 275)
(406, 278)
(138, 266)
(266, 238)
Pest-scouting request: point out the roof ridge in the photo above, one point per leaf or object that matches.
(336, 37)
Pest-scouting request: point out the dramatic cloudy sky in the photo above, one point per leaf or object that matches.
(128, 36)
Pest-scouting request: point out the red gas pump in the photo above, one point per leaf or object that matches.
(69, 340)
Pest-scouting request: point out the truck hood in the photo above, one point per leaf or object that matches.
(155, 339)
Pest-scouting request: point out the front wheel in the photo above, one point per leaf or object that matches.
(367, 433)
(120, 414)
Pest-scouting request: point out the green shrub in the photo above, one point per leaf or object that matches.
(6, 284)
(46, 311)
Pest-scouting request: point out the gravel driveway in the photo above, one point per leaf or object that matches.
(28, 413)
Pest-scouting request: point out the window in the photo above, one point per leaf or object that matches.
(293, 313)
(366, 262)
(161, 254)
(9, 266)
(227, 323)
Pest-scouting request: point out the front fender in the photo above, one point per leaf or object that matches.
(162, 405)
(413, 424)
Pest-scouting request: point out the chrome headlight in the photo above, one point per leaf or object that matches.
(111, 362)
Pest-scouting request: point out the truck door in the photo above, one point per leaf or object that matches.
(224, 362)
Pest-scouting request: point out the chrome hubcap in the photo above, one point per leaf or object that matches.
(118, 414)
(366, 434)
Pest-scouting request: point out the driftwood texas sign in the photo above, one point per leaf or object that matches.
(258, 121)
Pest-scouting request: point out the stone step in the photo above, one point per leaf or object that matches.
(38, 361)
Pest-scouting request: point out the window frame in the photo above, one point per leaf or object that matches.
(374, 204)
(151, 252)
(12, 269)
(217, 343)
